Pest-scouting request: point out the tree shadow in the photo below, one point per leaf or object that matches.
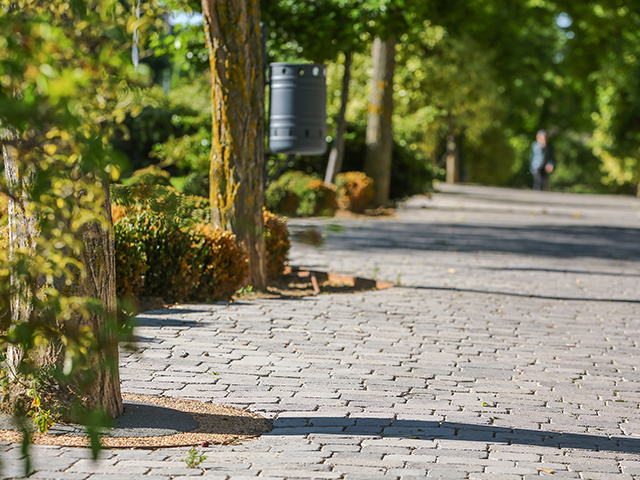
(534, 240)
(534, 200)
(521, 295)
(557, 270)
(429, 430)
(158, 319)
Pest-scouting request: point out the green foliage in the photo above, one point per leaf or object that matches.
(185, 210)
(194, 458)
(317, 31)
(577, 168)
(244, 291)
(173, 130)
(166, 247)
(152, 175)
(66, 85)
(185, 50)
(163, 249)
(41, 418)
(4, 208)
(411, 173)
(296, 193)
(489, 159)
(277, 243)
(131, 261)
(175, 259)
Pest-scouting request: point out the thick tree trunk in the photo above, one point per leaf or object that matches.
(99, 264)
(379, 140)
(98, 259)
(22, 235)
(336, 155)
(232, 30)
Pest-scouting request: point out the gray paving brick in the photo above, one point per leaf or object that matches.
(470, 369)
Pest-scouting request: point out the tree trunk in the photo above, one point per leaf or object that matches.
(453, 159)
(98, 259)
(232, 31)
(99, 264)
(379, 140)
(336, 155)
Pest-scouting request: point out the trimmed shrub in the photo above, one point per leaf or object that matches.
(411, 172)
(296, 193)
(131, 259)
(4, 239)
(4, 207)
(156, 257)
(151, 175)
(182, 257)
(222, 264)
(170, 257)
(5, 282)
(355, 191)
(118, 212)
(278, 244)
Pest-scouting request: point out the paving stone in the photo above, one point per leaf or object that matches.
(471, 369)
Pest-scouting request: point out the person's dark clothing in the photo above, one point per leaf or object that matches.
(538, 161)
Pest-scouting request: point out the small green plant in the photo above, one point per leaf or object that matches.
(194, 458)
(41, 417)
(245, 290)
(376, 270)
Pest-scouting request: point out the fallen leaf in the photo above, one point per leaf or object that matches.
(577, 214)
(546, 470)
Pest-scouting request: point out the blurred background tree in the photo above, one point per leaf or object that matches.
(473, 82)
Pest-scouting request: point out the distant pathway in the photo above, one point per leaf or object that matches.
(509, 350)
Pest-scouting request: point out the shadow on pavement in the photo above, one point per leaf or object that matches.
(536, 200)
(156, 320)
(522, 295)
(538, 240)
(429, 430)
(556, 270)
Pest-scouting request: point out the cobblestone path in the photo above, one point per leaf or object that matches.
(508, 350)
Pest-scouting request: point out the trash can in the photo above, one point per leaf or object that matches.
(298, 108)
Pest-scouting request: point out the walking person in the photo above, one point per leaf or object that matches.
(541, 162)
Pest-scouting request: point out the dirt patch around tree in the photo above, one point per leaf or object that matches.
(155, 422)
(300, 282)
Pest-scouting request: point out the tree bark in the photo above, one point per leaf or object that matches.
(379, 139)
(99, 264)
(453, 159)
(98, 259)
(232, 31)
(452, 154)
(336, 155)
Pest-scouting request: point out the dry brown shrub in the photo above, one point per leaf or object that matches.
(276, 237)
(355, 191)
(223, 264)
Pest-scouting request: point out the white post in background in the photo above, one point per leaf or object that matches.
(135, 53)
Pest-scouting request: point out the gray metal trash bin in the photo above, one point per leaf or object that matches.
(298, 109)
